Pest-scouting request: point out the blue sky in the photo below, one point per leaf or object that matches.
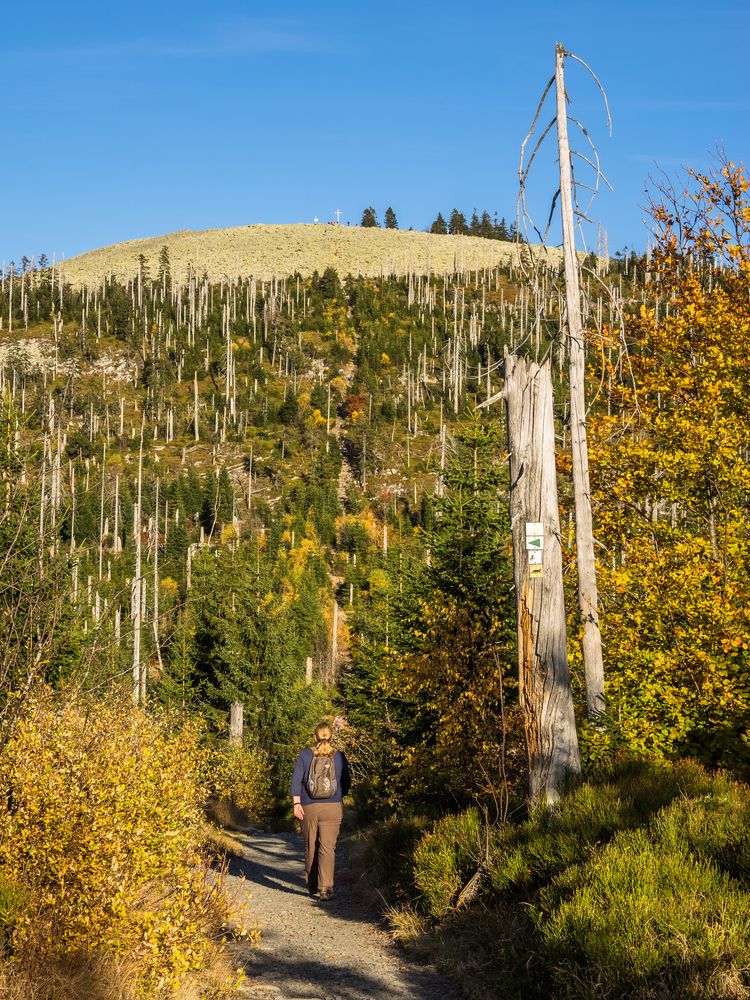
(136, 119)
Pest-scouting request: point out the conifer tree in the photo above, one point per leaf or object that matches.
(289, 410)
(439, 226)
(193, 493)
(218, 501)
(390, 219)
(224, 497)
(369, 218)
(165, 269)
(329, 284)
(457, 224)
(485, 226)
(430, 645)
(177, 684)
(248, 648)
(143, 269)
(176, 547)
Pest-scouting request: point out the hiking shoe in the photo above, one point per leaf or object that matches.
(325, 894)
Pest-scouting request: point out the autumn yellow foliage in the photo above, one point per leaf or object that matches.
(241, 775)
(671, 480)
(102, 831)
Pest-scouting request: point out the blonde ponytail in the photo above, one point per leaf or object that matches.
(323, 737)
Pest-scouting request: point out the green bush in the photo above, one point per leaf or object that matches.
(387, 857)
(641, 920)
(714, 827)
(13, 899)
(446, 858)
(548, 842)
(533, 852)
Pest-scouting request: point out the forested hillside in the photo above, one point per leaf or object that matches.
(279, 491)
(282, 444)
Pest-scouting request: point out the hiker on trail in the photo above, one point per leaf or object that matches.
(319, 783)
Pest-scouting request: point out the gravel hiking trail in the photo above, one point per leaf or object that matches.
(311, 950)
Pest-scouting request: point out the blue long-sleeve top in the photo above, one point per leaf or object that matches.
(301, 769)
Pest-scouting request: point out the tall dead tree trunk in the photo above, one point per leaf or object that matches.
(544, 678)
(101, 511)
(135, 608)
(157, 642)
(137, 589)
(587, 591)
(334, 641)
(196, 403)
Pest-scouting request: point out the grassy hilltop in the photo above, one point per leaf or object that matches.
(268, 251)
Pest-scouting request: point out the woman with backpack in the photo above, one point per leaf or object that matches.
(319, 783)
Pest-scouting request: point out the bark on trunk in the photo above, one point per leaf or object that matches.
(544, 677)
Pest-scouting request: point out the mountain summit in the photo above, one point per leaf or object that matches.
(268, 251)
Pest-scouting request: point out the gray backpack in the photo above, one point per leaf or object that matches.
(321, 777)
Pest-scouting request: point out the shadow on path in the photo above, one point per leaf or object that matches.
(317, 951)
(264, 874)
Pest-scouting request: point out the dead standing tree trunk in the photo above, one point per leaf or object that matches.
(544, 678)
(587, 589)
(138, 670)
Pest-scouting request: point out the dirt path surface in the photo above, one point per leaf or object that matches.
(311, 950)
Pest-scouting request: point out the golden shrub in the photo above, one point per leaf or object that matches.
(241, 775)
(102, 828)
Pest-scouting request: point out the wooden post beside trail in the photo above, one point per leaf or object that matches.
(544, 677)
(586, 566)
(236, 722)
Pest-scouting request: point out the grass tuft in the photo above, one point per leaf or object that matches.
(639, 919)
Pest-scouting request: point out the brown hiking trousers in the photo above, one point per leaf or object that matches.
(320, 829)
